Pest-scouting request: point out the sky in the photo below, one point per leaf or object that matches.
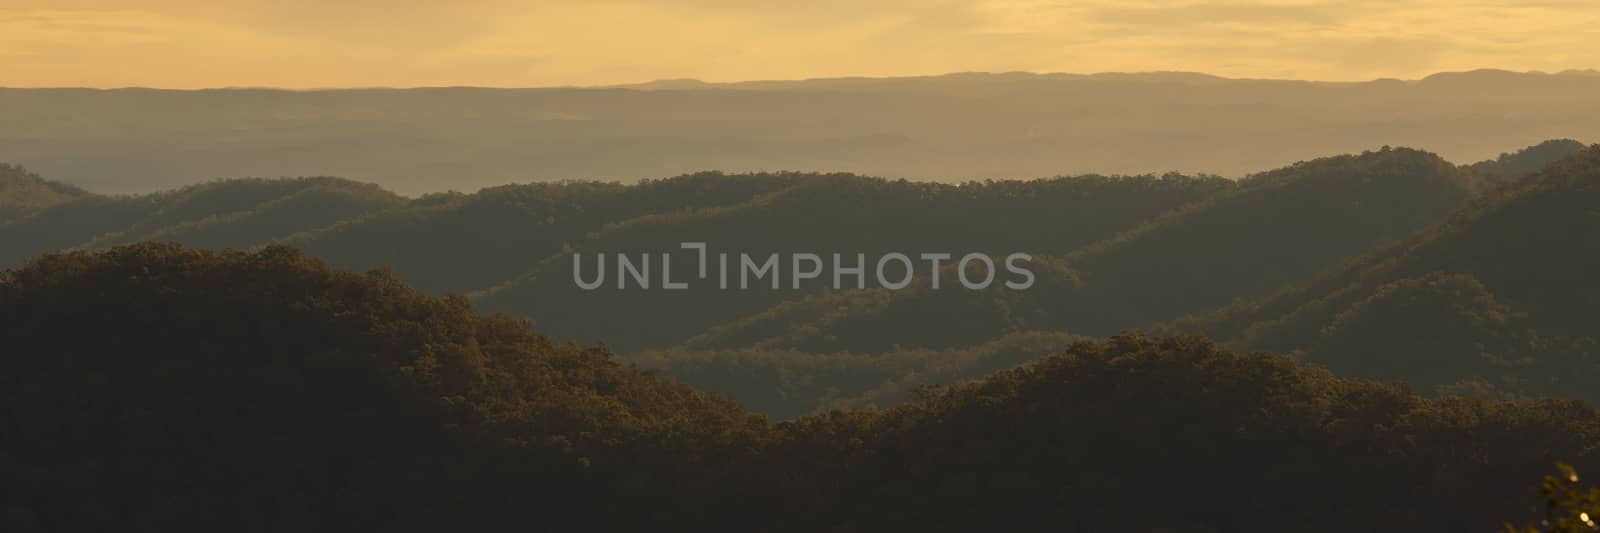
(527, 43)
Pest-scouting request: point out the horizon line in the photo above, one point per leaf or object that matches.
(691, 83)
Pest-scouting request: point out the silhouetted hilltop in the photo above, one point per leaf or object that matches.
(511, 230)
(159, 388)
(23, 192)
(1526, 160)
(227, 213)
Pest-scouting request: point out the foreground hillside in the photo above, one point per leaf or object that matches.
(157, 388)
(266, 392)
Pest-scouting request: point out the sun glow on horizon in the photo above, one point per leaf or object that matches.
(364, 43)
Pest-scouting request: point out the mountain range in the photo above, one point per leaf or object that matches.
(957, 127)
(1322, 259)
(1376, 341)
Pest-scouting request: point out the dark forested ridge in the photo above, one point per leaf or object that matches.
(266, 392)
(157, 388)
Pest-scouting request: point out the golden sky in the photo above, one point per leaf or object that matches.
(360, 43)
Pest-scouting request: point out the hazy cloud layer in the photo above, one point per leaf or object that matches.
(306, 43)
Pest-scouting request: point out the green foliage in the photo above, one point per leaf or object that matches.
(1568, 507)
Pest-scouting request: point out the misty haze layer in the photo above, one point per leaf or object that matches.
(956, 127)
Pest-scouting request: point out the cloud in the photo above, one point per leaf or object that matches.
(1211, 13)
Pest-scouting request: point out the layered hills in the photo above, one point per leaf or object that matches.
(1336, 260)
(157, 388)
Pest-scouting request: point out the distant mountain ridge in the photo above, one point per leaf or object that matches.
(1144, 76)
(936, 128)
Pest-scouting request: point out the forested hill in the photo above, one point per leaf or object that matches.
(1492, 301)
(837, 214)
(236, 213)
(157, 388)
(1512, 165)
(482, 240)
(1501, 296)
(23, 192)
(1266, 233)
